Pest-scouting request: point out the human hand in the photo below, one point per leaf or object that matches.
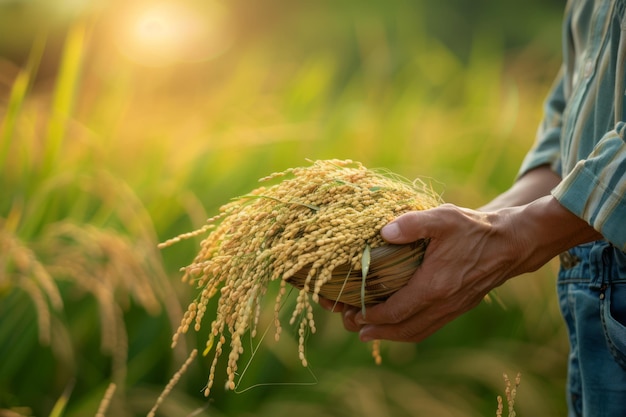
(466, 258)
(470, 253)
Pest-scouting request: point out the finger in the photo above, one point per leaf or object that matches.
(416, 329)
(392, 311)
(349, 322)
(406, 302)
(420, 325)
(330, 305)
(405, 229)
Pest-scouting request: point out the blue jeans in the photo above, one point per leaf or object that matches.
(592, 297)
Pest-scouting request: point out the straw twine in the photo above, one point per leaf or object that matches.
(391, 266)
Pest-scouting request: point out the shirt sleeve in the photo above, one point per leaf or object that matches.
(547, 147)
(595, 190)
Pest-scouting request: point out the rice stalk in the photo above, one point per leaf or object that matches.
(317, 229)
(106, 400)
(173, 381)
(21, 267)
(19, 92)
(112, 266)
(65, 92)
(510, 392)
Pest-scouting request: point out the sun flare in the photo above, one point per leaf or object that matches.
(161, 34)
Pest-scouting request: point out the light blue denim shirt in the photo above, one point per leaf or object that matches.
(583, 132)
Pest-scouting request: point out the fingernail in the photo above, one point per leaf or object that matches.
(360, 319)
(390, 231)
(364, 337)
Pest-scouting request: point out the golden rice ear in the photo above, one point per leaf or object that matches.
(391, 267)
(318, 229)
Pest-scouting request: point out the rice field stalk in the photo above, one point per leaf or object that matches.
(65, 92)
(19, 92)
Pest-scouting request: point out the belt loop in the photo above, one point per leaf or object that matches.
(607, 266)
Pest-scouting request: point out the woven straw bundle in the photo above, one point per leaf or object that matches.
(316, 228)
(390, 267)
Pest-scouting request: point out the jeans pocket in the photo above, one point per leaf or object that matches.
(614, 321)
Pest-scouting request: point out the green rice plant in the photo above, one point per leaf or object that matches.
(134, 155)
(19, 92)
(64, 96)
(65, 240)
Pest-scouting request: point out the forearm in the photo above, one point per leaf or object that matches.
(533, 185)
(542, 229)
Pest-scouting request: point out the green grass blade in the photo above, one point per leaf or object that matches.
(61, 403)
(19, 91)
(65, 92)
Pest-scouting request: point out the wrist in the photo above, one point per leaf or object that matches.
(541, 230)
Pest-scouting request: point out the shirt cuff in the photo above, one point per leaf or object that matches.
(595, 190)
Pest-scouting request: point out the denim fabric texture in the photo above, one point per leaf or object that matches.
(592, 296)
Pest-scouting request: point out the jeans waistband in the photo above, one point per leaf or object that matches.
(597, 263)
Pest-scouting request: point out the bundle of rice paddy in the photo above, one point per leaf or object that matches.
(316, 229)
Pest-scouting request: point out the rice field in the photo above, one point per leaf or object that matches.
(123, 124)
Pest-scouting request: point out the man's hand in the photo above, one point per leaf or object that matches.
(469, 254)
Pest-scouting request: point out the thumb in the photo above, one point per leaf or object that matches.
(405, 229)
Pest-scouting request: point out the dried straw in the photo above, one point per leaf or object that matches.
(391, 266)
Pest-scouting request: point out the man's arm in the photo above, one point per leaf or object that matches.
(531, 186)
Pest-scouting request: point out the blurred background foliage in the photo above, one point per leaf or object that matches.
(124, 123)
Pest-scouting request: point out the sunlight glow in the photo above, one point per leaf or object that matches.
(160, 34)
